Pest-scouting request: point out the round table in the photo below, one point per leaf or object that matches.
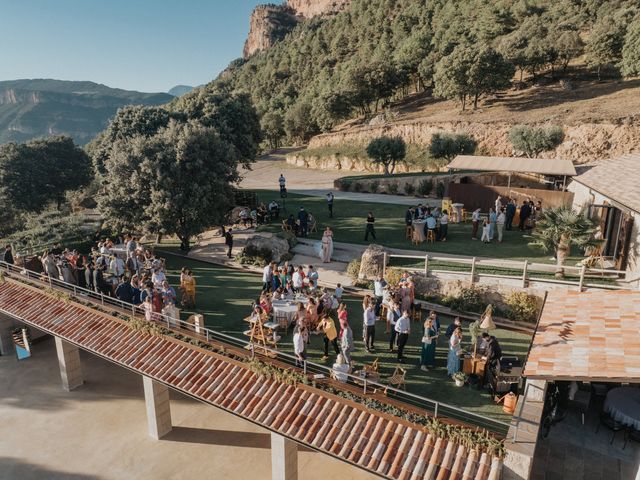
(287, 309)
(623, 404)
(418, 230)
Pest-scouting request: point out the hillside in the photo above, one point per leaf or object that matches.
(43, 107)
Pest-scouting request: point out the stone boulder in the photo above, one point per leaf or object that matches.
(372, 262)
(267, 242)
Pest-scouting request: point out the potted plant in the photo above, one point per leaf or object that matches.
(460, 378)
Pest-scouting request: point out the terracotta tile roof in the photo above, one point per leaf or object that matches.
(616, 178)
(587, 336)
(387, 446)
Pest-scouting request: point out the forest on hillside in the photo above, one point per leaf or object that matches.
(329, 69)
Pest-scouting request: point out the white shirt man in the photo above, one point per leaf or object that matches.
(297, 279)
(158, 277)
(116, 266)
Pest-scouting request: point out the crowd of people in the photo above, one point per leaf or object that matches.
(436, 221)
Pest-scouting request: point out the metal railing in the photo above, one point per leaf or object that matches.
(524, 271)
(432, 407)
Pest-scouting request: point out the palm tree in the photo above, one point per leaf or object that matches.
(559, 229)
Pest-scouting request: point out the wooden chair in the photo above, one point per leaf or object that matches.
(397, 379)
(373, 368)
(408, 232)
(383, 312)
(313, 227)
(431, 236)
(415, 240)
(286, 227)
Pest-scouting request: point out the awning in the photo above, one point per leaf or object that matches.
(588, 336)
(541, 166)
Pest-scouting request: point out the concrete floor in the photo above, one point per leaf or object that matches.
(99, 431)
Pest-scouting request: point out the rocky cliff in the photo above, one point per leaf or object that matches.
(270, 23)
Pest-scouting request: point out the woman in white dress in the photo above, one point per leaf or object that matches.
(326, 247)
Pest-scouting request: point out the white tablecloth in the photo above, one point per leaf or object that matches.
(418, 230)
(623, 404)
(285, 309)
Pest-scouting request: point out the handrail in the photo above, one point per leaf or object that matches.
(431, 406)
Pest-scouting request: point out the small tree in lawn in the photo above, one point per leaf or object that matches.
(446, 146)
(388, 151)
(559, 229)
(533, 141)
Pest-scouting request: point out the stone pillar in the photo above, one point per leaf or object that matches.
(284, 458)
(69, 362)
(156, 399)
(6, 342)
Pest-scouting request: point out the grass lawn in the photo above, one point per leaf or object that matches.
(348, 224)
(224, 296)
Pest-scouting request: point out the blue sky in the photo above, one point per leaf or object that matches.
(145, 45)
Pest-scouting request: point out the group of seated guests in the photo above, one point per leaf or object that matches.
(259, 215)
(436, 220)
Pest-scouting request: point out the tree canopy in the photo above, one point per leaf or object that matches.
(534, 140)
(447, 146)
(387, 151)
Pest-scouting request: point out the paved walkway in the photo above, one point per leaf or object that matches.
(315, 183)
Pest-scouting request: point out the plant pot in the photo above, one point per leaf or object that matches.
(459, 383)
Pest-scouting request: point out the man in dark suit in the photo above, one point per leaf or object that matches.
(510, 212)
(7, 256)
(525, 212)
(303, 217)
(228, 241)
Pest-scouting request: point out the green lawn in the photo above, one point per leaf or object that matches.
(224, 296)
(348, 225)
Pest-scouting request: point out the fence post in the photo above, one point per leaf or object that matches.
(473, 270)
(384, 264)
(583, 270)
(365, 386)
(304, 367)
(524, 273)
(435, 413)
(426, 265)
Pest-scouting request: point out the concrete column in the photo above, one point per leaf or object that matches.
(70, 367)
(6, 342)
(156, 398)
(284, 458)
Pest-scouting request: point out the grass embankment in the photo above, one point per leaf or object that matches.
(224, 296)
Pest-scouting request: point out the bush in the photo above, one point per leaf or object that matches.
(425, 187)
(357, 187)
(532, 141)
(353, 269)
(469, 299)
(409, 189)
(522, 307)
(374, 186)
(440, 190)
(393, 275)
(251, 255)
(392, 188)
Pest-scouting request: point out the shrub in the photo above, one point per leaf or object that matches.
(409, 189)
(440, 190)
(469, 299)
(392, 188)
(357, 187)
(425, 187)
(250, 255)
(534, 140)
(374, 186)
(393, 275)
(353, 269)
(522, 307)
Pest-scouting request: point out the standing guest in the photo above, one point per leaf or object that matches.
(430, 225)
(436, 320)
(267, 274)
(312, 275)
(444, 226)
(291, 223)
(282, 182)
(340, 369)
(80, 271)
(342, 312)
(157, 301)
(408, 217)
(88, 275)
(402, 327)
(498, 204)
(157, 277)
(299, 345)
(328, 327)
(298, 280)
(369, 324)
(428, 352)
(405, 296)
(475, 223)
(124, 292)
(132, 244)
(378, 291)
(500, 221)
(276, 280)
(7, 255)
(303, 218)
(538, 210)
(451, 328)
(228, 241)
(510, 213)
(330, 204)
(369, 229)
(116, 267)
(148, 309)
(338, 292)
(525, 213)
(168, 294)
(189, 296)
(393, 314)
(312, 314)
(133, 264)
(326, 245)
(346, 337)
(493, 217)
(486, 229)
(453, 358)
